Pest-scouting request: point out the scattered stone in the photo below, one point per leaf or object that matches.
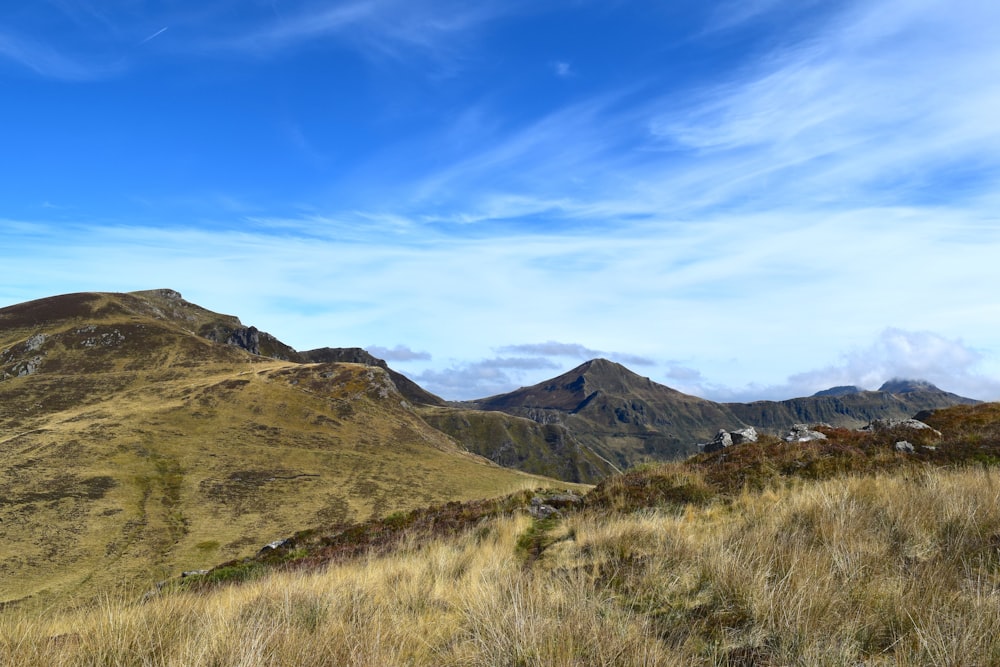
(35, 343)
(803, 433)
(748, 434)
(193, 573)
(540, 510)
(904, 447)
(724, 439)
(277, 544)
(876, 425)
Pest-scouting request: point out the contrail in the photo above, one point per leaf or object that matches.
(154, 35)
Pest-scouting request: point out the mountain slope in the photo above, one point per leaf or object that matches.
(628, 419)
(624, 417)
(132, 447)
(516, 442)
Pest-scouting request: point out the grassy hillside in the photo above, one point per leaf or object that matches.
(132, 448)
(524, 444)
(876, 557)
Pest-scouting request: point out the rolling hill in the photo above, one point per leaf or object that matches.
(135, 443)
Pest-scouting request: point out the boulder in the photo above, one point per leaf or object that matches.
(722, 440)
(904, 447)
(563, 500)
(748, 434)
(876, 425)
(803, 433)
(539, 509)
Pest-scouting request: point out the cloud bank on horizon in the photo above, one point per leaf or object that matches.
(722, 195)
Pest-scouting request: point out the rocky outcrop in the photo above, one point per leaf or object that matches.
(721, 440)
(877, 425)
(23, 359)
(748, 434)
(724, 439)
(543, 507)
(247, 338)
(413, 392)
(803, 433)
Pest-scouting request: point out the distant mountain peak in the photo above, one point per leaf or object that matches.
(598, 375)
(843, 390)
(906, 386)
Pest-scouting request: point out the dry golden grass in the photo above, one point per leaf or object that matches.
(138, 450)
(895, 569)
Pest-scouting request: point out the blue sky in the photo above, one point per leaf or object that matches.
(754, 199)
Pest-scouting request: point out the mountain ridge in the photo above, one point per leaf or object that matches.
(629, 418)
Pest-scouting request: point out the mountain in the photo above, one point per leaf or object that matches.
(838, 391)
(628, 419)
(622, 416)
(849, 407)
(142, 435)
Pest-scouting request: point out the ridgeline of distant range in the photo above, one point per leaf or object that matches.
(627, 418)
(141, 433)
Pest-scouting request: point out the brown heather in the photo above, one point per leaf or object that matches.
(890, 569)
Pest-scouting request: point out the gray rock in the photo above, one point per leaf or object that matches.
(803, 433)
(35, 343)
(247, 338)
(876, 425)
(28, 367)
(541, 510)
(721, 440)
(277, 544)
(563, 500)
(748, 434)
(904, 447)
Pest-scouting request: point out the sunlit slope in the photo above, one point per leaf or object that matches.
(131, 448)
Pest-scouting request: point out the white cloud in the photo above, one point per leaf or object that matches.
(562, 69)
(479, 379)
(398, 353)
(949, 363)
(747, 301)
(576, 350)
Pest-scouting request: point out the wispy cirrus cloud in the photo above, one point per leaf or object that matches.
(76, 40)
(875, 104)
(393, 29)
(48, 61)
